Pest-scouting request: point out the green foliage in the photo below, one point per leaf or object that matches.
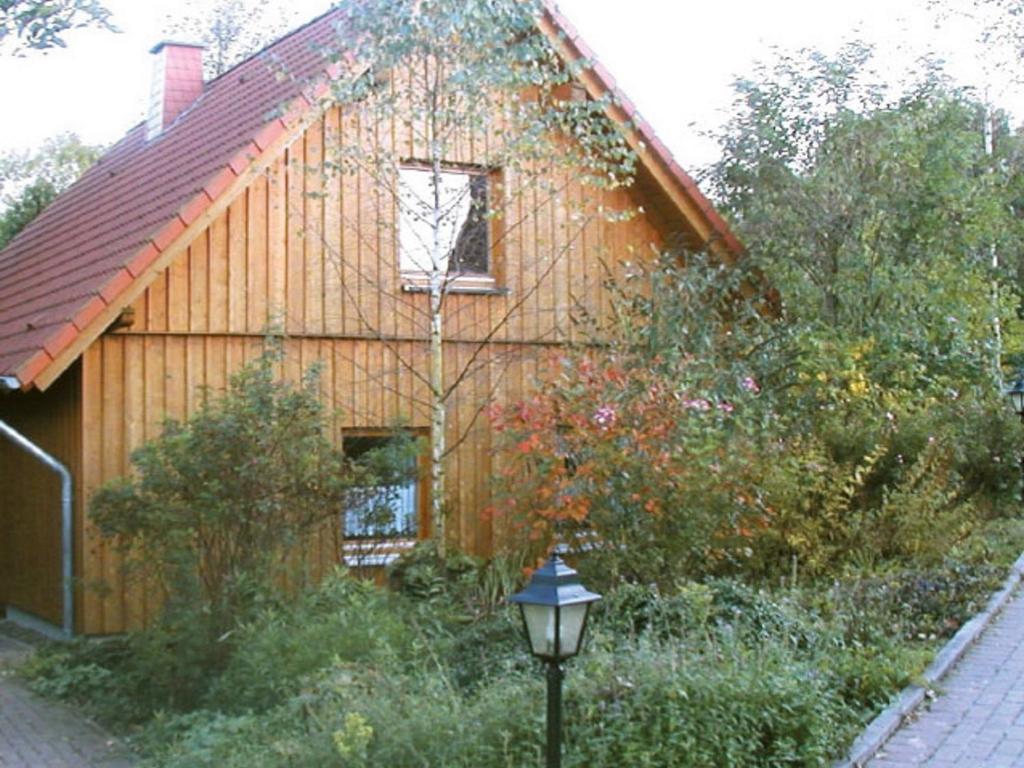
(425, 573)
(462, 586)
(30, 182)
(342, 621)
(22, 209)
(219, 509)
(643, 451)
(699, 441)
(696, 674)
(830, 515)
(99, 672)
(40, 24)
(663, 706)
(876, 217)
(912, 605)
(652, 707)
(876, 435)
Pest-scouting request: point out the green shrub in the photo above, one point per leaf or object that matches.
(342, 620)
(218, 509)
(911, 605)
(635, 610)
(646, 704)
(659, 705)
(867, 677)
(98, 674)
(693, 674)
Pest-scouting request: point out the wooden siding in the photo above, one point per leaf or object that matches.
(316, 259)
(30, 511)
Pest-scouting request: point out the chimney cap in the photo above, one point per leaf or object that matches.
(175, 44)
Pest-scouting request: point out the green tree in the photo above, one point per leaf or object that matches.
(876, 431)
(25, 207)
(41, 24)
(31, 181)
(453, 72)
(219, 508)
(876, 216)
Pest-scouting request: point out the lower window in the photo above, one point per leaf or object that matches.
(381, 520)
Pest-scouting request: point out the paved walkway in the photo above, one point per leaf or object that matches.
(978, 717)
(35, 733)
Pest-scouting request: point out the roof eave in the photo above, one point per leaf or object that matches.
(678, 185)
(71, 339)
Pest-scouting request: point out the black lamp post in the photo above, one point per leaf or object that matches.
(1016, 395)
(555, 606)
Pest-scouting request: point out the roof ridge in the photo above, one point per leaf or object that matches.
(334, 8)
(208, 85)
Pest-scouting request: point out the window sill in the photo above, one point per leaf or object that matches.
(363, 553)
(483, 285)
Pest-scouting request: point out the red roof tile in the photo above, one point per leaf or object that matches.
(76, 251)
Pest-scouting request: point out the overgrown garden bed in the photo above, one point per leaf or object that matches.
(702, 674)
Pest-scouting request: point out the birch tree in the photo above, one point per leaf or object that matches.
(453, 72)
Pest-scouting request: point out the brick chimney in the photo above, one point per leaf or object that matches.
(177, 83)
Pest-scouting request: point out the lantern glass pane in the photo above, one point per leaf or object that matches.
(1017, 398)
(573, 617)
(540, 626)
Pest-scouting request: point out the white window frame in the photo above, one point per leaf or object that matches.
(415, 204)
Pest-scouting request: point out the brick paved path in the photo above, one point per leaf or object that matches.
(978, 717)
(40, 734)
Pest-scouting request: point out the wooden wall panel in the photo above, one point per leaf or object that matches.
(317, 258)
(30, 522)
(135, 381)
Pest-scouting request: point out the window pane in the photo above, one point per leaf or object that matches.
(461, 227)
(388, 510)
(471, 247)
(540, 624)
(571, 630)
(383, 512)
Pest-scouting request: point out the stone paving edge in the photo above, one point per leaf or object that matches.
(886, 723)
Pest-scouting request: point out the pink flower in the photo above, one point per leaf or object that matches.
(604, 416)
(700, 404)
(750, 384)
(726, 407)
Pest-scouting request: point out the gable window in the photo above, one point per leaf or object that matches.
(461, 223)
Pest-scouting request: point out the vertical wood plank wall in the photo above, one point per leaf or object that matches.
(30, 511)
(323, 269)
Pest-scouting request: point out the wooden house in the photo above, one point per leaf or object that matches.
(158, 273)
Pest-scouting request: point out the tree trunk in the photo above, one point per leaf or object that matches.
(437, 399)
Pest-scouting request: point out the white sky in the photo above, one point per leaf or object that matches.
(675, 59)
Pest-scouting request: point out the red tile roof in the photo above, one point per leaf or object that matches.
(89, 244)
(81, 254)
